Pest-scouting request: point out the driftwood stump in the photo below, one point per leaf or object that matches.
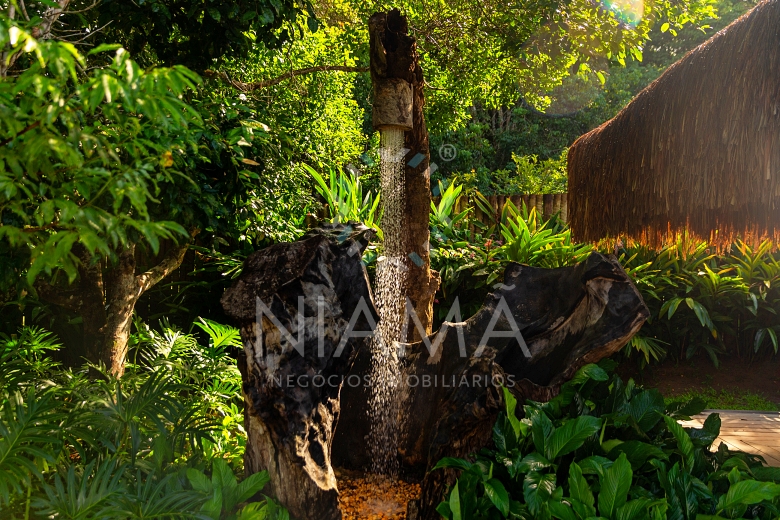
(292, 399)
(567, 317)
(543, 325)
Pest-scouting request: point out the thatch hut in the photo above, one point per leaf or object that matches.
(697, 150)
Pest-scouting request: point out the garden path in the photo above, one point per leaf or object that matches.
(749, 431)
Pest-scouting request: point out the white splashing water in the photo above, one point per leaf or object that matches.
(384, 407)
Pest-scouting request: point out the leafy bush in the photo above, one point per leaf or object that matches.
(703, 301)
(165, 440)
(470, 262)
(526, 174)
(607, 449)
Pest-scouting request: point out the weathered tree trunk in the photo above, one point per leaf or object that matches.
(105, 297)
(291, 389)
(394, 57)
(566, 317)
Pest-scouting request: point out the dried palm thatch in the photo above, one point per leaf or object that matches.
(698, 150)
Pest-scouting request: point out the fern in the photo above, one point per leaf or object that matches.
(26, 438)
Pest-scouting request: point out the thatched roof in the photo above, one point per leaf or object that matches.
(698, 149)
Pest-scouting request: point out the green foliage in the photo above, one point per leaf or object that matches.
(343, 193)
(535, 176)
(164, 441)
(470, 256)
(85, 158)
(527, 174)
(198, 34)
(608, 449)
(701, 301)
(312, 120)
(493, 132)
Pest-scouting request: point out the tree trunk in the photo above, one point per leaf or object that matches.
(290, 418)
(394, 57)
(105, 297)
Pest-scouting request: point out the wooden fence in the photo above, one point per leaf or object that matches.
(546, 205)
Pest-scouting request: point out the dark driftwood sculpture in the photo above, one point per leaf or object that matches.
(290, 426)
(567, 317)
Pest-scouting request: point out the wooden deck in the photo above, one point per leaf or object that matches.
(752, 432)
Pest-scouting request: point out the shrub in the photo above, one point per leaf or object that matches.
(699, 301)
(608, 449)
(165, 440)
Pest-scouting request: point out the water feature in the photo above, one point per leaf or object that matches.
(384, 407)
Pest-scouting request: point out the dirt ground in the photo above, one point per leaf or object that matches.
(734, 374)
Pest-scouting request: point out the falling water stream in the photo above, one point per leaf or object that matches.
(389, 295)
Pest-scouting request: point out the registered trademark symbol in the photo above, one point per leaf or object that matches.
(447, 152)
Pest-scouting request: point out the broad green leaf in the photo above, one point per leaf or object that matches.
(537, 490)
(198, 480)
(684, 443)
(455, 503)
(251, 485)
(541, 427)
(638, 452)
(578, 486)
(511, 405)
(748, 492)
(450, 462)
(534, 461)
(571, 436)
(562, 510)
(614, 487)
(497, 494)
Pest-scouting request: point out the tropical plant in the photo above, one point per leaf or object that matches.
(699, 300)
(164, 441)
(343, 194)
(471, 256)
(444, 221)
(607, 449)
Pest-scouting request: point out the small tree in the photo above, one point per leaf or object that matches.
(85, 159)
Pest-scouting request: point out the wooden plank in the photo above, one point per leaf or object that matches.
(549, 201)
(751, 432)
(517, 200)
(526, 201)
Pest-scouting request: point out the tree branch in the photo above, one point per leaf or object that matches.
(257, 85)
(170, 262)
(50, 16)
(69, 298)
(528, 106)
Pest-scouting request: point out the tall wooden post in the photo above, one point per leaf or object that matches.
(394, 58)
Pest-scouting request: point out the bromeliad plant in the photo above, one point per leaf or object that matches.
(699, 301)
(468, 268)
(346, 203)
(605, 449)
